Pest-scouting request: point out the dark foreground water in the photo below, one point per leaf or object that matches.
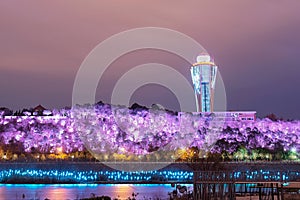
(77, 191)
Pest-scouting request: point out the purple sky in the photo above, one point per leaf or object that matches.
(256, 45)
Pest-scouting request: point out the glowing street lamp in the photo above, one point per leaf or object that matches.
(59, 150)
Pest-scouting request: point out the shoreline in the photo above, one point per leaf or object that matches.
(99, 173)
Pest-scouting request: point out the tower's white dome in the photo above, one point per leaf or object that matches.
(203, 58)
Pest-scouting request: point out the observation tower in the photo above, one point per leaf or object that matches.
(204, 73)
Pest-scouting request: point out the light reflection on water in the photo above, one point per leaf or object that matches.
(77, 191)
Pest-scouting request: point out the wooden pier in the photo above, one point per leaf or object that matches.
(257, 180)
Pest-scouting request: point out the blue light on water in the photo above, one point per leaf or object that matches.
(91, 176)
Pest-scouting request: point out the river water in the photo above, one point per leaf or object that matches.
(77, 191)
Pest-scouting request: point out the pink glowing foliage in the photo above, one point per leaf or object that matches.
(140, 131)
